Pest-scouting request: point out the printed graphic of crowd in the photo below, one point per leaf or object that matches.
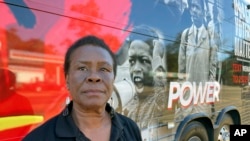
(142, 90)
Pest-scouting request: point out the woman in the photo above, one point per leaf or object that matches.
(90, 70)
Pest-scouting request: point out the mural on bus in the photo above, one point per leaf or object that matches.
(171, 56)
(172, 62)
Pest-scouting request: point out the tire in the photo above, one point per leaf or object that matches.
(194, 131)
(222, 132)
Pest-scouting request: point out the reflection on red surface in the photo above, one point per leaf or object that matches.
(14, 134)
(104, 18)
(33, 49)
(12, 104)
(3, 52)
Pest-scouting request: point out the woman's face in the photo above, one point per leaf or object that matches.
(91, 76)
(140, 58)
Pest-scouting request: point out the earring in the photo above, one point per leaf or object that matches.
(66, 110)
(67, 101)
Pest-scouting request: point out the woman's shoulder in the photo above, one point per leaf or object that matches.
(130, 128)
(124, 118)
(126, 121)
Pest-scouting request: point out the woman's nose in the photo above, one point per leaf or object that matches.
(94, 77)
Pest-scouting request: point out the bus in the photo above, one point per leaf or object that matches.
(183, 65)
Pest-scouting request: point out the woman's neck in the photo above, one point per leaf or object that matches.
(89, 118)
(94, 125)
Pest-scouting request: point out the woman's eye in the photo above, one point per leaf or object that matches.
(82, 68)
(105, 69)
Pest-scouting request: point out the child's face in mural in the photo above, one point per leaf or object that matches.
(140, 58)
(196, 11)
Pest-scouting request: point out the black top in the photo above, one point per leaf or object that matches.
(62, 128)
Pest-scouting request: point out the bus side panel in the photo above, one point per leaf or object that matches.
(176, 59)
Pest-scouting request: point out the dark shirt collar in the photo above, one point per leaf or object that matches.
(65, 126)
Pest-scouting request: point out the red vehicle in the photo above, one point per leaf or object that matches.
(183, 65)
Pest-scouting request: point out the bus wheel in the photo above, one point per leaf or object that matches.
(194, 131)
(222, 133)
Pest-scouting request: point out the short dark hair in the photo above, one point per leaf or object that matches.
(87, 40)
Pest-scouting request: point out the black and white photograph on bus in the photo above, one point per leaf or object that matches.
(145, 63)
(148, 70)
(181, 67)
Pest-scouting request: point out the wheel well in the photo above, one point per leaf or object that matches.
(231, 111)
(199, 117)
(235, 116)
(208, 125)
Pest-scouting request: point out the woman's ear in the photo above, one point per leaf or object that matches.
(67, 86)
(67, 82)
